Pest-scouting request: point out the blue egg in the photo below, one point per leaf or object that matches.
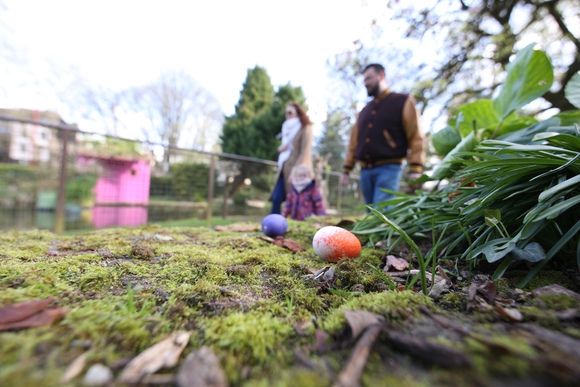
(274, 225)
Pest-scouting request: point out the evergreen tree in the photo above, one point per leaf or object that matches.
(331, 145)
(258, 118)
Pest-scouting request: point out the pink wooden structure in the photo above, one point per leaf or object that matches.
(123, 181)
(121, 191)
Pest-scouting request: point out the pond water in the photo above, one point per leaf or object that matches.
(91, 218)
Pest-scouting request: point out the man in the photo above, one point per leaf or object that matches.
(387, 131)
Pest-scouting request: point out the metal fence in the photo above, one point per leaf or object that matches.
(55, 176)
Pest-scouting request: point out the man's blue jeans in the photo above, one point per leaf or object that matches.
(385, 176)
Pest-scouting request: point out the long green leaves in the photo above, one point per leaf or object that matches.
(410, 242)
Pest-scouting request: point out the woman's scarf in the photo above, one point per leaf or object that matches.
(289, 129)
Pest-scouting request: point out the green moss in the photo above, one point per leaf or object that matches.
(559, 301)
(253, 339)
(545, 278)
(244, 297)
(395, 306)
(453, 301)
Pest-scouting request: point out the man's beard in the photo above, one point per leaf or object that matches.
(374, 91)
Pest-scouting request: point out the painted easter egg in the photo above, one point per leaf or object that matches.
(333, 243)
(274, 225)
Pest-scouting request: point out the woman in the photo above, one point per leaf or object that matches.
(296, 148)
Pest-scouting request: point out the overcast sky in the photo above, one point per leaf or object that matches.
(123, 43)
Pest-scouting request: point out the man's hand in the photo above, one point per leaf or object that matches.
(344, 180)
(411, 188)
(413, 175)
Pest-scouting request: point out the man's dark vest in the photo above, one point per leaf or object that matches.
(381, 136)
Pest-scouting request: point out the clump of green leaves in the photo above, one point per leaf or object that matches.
(513, 189)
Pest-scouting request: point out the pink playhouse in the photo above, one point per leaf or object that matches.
(121, 191)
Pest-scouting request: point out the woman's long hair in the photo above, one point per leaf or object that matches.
(302, 116)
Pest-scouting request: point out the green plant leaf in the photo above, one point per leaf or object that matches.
(532, 252)
(572, 90)
(492, 217)
(529, 76)
(477, 115)
(445, 140)
(572, 182)
(445, 168)
(493, 250)
(560, 139)
(571, 233)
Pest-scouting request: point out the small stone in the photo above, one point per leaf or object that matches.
(98, 375)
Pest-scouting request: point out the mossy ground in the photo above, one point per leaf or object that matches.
(244, 298)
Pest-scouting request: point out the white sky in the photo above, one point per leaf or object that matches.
(122, 43)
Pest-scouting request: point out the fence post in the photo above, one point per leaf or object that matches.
(59, 218)
(210, 190)
(225, 212)
(339, 197)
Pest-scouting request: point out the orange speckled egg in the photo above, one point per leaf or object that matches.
(333, 243)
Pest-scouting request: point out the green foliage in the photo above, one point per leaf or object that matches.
(515, 197)
(80, 187)
(18, 183)
(189, 181)
(529, 76)
(573, 90)
(331, 145)
(160, 186)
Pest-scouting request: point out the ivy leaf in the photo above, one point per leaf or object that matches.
(532, 252)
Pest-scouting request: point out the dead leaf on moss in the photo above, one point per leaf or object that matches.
(202, 369)
(442, 286)
(42, 318)
(280, 241)
(238, 228)
(396, 263)
(358, 321)
(509, 313)
(75, 368)
(164, 354)
(21, 310)
(30, 314)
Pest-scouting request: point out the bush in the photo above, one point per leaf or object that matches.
(189, 181)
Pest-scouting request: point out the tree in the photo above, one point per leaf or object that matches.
(258, 118)
(477, 39)
(331, 145)
(179, 112)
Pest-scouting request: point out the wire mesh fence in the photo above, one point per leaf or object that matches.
(58, 178)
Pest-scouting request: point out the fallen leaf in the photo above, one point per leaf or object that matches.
(201, 369)
(289, 244)
(395, 262)
(438, 289)
(509, 313)
(358, 321)
(321, 341)
(75, 368)
(21, 310)
(42, 318)
(491, 291)
(238, 228)
(163, 354)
